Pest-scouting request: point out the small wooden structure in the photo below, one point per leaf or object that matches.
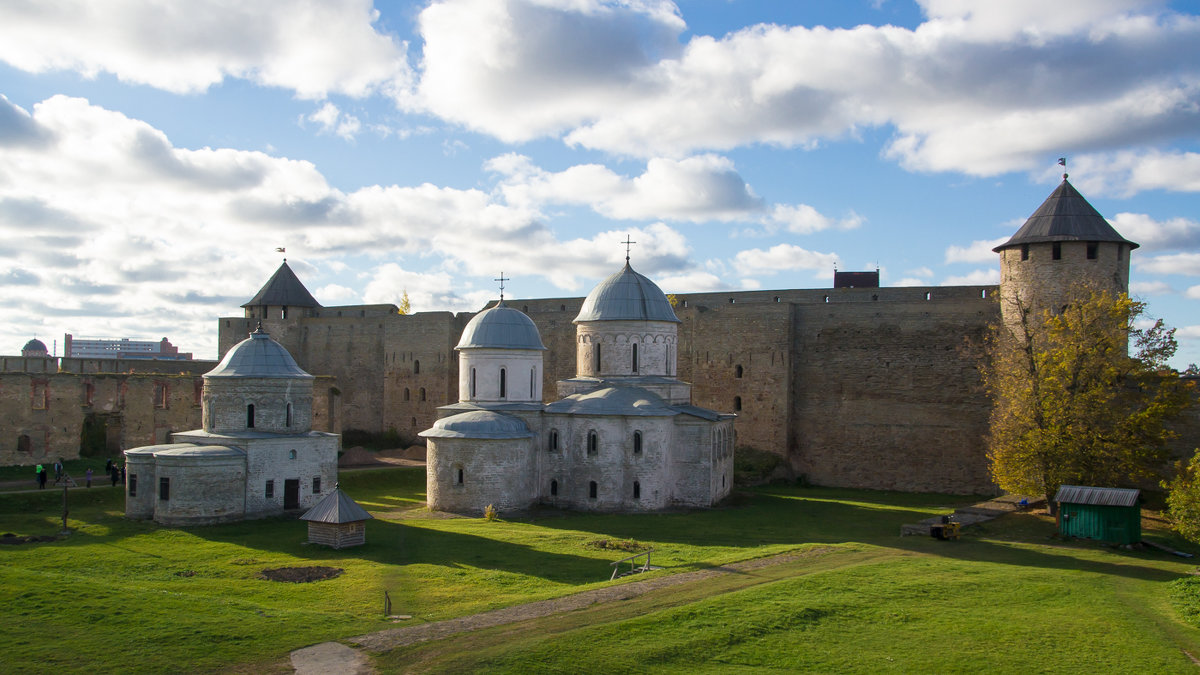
(337, 521)
(1106, 514)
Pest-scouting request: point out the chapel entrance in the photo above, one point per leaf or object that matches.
(291, 493)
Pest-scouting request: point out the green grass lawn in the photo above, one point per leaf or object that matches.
(130, 596)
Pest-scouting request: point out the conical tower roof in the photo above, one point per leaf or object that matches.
(283, 288)
(1064, 216)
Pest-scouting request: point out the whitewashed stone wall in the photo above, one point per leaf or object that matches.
(499, 472)
(225, 401)
(523, 370)
(656, 348)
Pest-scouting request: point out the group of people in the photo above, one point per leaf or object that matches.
(114, 470)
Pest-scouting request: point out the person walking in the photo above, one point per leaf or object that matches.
(88, 476)
(116, 475)
(41, 477)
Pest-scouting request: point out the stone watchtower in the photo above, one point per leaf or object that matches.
(1065, 246)
(281, 297)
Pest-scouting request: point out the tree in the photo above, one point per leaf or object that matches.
(1183, 498)
(405, 307)
(672, 299)
(1070, 404)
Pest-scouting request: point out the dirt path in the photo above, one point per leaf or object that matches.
(393, 638)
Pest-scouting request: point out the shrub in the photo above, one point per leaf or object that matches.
(1183, 498)
(752, 466)
(490, 514)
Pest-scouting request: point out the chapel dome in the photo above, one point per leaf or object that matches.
(501, 327)
(258, 356)
(626, 295)
(34, 346)
(478, 424)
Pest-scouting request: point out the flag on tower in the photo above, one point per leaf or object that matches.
(281, 250)
(1062, 161)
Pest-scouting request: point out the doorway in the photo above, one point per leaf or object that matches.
(291, 493)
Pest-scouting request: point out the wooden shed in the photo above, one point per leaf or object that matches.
(337, 521)
(1106, 514)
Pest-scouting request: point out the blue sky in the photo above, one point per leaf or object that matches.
(154, 155)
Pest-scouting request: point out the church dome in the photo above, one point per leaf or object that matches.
(258, 356)
(33, 347)
(626, 295)
(478, 424)
(501, 327)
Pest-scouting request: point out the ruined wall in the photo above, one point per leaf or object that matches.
(42, 416)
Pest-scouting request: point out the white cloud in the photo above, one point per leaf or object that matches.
(693, 282)
(1176, 263)
(982, 90)
(108, 219)
(313, 47)
(336, 294)
(704, 188)
(978, 251)
(922, 272)
(1155, 235)
(1188, 333)
(1193, 292)
(1128, 172)
(911, 281)
(1143, 288)
(782, 257)
(334, 121)
(987, 277)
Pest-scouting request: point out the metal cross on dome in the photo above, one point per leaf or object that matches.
(628, 242)
(502, 279)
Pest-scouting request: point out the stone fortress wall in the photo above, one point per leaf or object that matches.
(861, 387)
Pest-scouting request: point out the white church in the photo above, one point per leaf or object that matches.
(623, 435)
(256, 456)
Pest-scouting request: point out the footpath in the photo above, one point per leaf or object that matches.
(335, 657)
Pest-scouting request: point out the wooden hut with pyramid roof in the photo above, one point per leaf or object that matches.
(337, 521)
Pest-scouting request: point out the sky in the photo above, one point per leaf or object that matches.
(154, 155)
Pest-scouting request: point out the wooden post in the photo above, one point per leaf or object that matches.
(387, 604)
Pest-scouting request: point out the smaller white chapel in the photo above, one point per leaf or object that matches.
(256, 456)
(623, 435)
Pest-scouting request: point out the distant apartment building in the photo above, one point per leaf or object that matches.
(122, 348)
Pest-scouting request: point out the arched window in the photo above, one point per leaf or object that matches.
(552, 445)
(407, 395)
(737, 402)
(291, 454)
(472, 383)
(592, 490)
(596, 351)
(593, 443)
(532, 379)
(289, 414)
(503, 383)
(459, 476)
(553, 488)
(737, 372)
(635, 359)
(637, 442)
(637, 490)
(250, 416)
(416, 367)
(422, 393)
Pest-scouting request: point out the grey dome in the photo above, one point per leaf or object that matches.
(478, 424)
(258, 356)
(35, 345)
(626, 295)
(613, 401)
(501, 327)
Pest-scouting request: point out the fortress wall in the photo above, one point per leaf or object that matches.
(50, 411)
(715, 340)
(418, 354)
(887, 398)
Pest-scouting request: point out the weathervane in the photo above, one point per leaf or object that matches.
(628, 242)
(280, 249)
(1062, 161)
(502, 279)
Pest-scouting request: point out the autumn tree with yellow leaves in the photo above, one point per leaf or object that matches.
(1071, 404)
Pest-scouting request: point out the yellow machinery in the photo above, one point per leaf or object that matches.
(947, 529)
